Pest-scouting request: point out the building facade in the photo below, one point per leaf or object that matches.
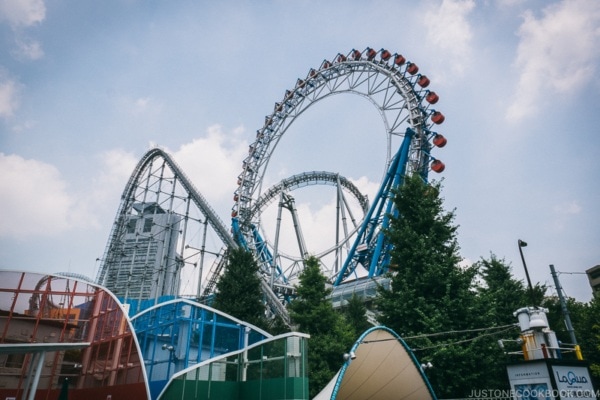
(146, 264)
(594, 278)
(61, 333)
(58, 332)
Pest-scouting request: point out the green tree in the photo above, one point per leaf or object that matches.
(430, 293)
(499, 295)
(585, 318)
(593, 343)
(330, 334)
(238, 291)
(355, 313)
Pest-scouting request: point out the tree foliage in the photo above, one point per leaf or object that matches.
(450, 315)
(499, 295)
(429, 292)
(355, 313)
(428, 284)
(330, 334)
(238, 290)
(585, 318)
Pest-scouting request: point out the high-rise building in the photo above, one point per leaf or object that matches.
(144, 263)
(594, 278)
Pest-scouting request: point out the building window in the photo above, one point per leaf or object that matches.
(131, 225)
(14, 360)
(147, 224)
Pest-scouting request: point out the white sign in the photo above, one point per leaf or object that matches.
(573, 382)
(530, 381)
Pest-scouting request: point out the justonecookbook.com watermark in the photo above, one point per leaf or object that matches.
(530, 394)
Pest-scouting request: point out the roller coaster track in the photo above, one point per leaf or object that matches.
(196, 197)
(162, 221)
(140, 177)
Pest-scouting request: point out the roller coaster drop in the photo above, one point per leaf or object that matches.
(135, 266)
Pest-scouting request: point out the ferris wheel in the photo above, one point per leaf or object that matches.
(394, 86)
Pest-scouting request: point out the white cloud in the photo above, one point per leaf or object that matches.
(144, 112)
(22, 13)
(213, 162)
(144, 105)
(9, 90)
(28, 49)
(557, 53)
(564, 215)
(116, 167)
(448, 29)
(367, 187)
(510, 3)
(37, 201)
(34, 198)
(570, 208)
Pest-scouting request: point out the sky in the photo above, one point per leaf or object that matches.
(87, 87)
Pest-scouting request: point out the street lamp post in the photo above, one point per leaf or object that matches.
(521, 245)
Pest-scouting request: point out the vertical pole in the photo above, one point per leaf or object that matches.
(31, 370)
(276, 244)
(201, 262)
(246, 331)
(521, 245)
(563, 305)
(38, 373)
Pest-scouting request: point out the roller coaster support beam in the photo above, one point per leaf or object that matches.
(372, 252)
(381, 256)
(288, 202)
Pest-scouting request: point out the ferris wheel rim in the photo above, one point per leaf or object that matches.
(401, 79)
(370, 74)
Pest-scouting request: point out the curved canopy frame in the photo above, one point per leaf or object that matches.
(380, 365)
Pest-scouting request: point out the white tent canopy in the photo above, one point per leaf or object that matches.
(383, 368)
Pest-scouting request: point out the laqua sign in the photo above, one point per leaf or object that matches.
(573, 382)
(570, 378)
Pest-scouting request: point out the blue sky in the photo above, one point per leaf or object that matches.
(87, 87)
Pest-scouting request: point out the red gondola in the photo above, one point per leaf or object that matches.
(439, 140)
(371, 54)
(399, 60)
(423, 81)
(437, 166)
(437, 117)
(412, 68)
(432, 97)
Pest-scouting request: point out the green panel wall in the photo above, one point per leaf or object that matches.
(218, 390)
(268, 389)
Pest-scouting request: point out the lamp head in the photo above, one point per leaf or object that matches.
(522, 243)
